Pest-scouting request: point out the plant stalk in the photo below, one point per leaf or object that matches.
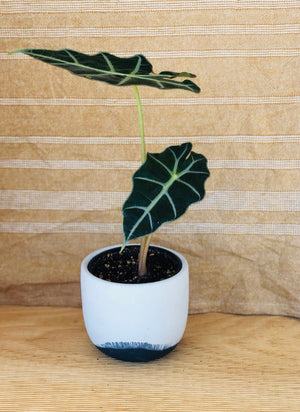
(142, 259)
(141, 122)
(142, 268)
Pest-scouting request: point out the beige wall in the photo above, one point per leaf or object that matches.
(69, 146)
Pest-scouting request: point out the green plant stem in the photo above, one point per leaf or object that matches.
(141, 121)
(142, 268)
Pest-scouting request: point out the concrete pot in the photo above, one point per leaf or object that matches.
(135, 322)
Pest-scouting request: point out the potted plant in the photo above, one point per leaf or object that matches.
(135, 297)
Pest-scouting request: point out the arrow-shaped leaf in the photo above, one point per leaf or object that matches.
(163, 188)
(119, 71)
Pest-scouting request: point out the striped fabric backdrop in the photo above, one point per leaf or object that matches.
(69, 146)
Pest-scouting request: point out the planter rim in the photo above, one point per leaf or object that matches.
(90, 256)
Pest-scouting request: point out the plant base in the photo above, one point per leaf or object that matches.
(122, 267)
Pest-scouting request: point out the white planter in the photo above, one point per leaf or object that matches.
(135, 322)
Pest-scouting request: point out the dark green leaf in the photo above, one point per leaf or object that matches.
(106, 67)
(163, 188)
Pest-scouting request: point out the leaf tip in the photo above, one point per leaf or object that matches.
(196, 88)
(15, 52)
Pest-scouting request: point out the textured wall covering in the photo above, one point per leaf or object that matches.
(69, 146)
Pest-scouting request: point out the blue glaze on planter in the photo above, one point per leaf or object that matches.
(135, 351)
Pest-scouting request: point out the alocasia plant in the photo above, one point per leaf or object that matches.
(166, 183)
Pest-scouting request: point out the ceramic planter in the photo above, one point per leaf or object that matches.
(135, 322)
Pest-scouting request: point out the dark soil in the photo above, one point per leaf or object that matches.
(123, 268)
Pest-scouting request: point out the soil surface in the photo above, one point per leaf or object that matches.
(114, 266)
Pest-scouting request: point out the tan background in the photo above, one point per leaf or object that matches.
(69, 146)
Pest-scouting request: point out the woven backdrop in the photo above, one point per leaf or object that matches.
(69, 146)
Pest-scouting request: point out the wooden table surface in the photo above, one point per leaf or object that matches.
(224, 363)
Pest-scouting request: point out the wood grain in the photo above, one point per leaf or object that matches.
(224, 363)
